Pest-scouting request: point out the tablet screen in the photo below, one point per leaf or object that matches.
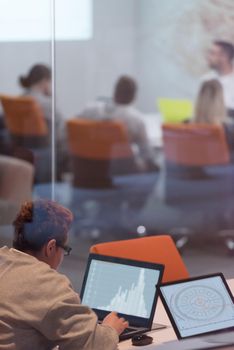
(199, 305)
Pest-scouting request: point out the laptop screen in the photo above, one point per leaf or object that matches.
(125, 286)
(198, 306)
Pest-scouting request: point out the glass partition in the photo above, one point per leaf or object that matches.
(138, 160)
(26, 105)
(121, 111)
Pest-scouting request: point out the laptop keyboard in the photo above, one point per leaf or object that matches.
(129, 330)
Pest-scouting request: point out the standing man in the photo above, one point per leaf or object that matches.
(220, 61)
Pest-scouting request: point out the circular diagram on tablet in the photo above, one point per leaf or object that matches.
(198, 303)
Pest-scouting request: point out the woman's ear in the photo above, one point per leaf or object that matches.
(50, 248)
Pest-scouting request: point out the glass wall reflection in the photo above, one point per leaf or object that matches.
(141, 156)
(138, 98)
(25, 95)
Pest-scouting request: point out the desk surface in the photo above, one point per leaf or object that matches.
(153, 125)
(166, 334)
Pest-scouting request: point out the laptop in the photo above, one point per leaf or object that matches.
(125, 286)
(199, 306)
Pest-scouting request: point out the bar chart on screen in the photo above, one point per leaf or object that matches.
(129, 301)
(122, 288)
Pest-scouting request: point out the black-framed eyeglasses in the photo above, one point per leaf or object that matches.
(66, 248)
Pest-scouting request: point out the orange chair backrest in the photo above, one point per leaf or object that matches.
(24, 116)
(154, 249)
(98, 139)
(195, 144)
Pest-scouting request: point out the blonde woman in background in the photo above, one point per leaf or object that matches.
(210, 109)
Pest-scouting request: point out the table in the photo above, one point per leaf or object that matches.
(166, 334)
(153, 125)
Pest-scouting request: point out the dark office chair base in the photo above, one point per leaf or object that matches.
(227, 237)
(93, 183)
(181, 237)
(31, 141)
(91, 173)
(187, 172)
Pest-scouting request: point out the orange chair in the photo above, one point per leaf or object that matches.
(95, 146)
(197, 159)
(15, 186)
(155, 249)
(25, 121)
(195, 145)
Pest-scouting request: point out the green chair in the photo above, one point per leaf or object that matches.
(175, 110)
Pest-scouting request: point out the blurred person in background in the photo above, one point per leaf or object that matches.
(220, 61)
(210, 109)
(37, 84)
(121, 108)
(39, 308)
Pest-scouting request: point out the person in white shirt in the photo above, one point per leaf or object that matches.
(220, 61)
(120, 107)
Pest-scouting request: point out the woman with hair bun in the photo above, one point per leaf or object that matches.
(38, 79)
(37, 83)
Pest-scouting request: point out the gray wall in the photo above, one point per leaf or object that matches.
(173, 37)
(159, 70)
(162, 43)
(84, 69)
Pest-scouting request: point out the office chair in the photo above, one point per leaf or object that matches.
(195, 145)
(155, 249)
(25, 121)
(15, 186)
(96, 148)
(192, 149)
(28, 129)
(198, 175)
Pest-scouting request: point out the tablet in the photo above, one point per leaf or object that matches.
(198, 305)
